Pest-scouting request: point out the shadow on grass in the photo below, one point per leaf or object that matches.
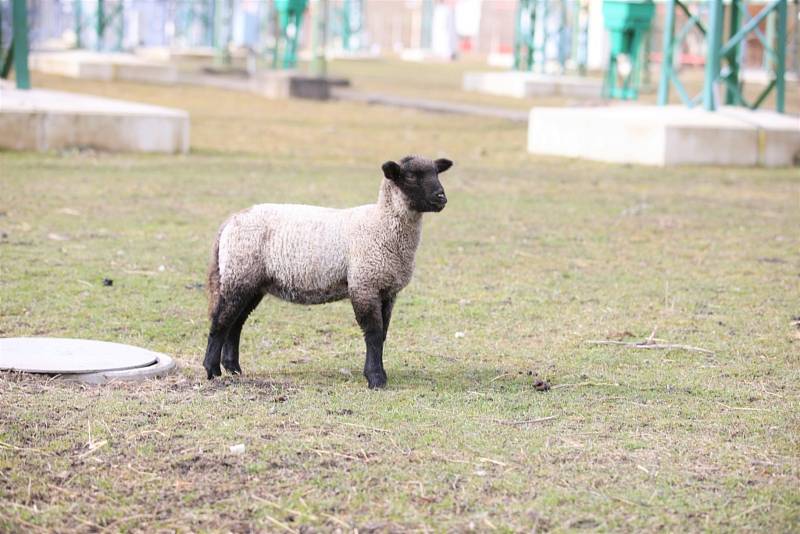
(449, 379)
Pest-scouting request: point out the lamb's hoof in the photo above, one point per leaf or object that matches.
(212, 371)
(232, 367)
(376, 380)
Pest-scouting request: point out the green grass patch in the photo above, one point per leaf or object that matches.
(532, 259)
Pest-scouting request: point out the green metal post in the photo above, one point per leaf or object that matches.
(352, 22)
(733, 87)
(796, 54)
(563, 35)
(524, 36)
(5, 68)
(517, 36)
(101, 23)
(583, 48)
(713, 46)
(20, 35)
(223, 26)
(78, 7)
(531, 37)
(541, 6)
(211, 17)
(217, 23)
(120, 16)
(346, 8)
(780, 59)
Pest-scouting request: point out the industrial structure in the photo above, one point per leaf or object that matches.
(595, 49)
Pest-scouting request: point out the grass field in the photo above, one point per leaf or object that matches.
(532, 259)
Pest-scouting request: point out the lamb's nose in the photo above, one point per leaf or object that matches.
(441, 198)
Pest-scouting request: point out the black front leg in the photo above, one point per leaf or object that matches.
(386, 312)
(369, 315)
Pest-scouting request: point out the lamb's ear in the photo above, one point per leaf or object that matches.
(392, 170)
(443, 164)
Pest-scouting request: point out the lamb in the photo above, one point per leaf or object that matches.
(313, 255)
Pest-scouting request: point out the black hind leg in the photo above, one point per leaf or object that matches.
(216, 338)
(230, 350)
(223, 318)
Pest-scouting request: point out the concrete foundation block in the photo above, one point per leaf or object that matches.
(529, 84)
(193, 58)
(73, 64)
(666, 136)
(105, 66)
(44, 120)
(285, 84)
(498, 59)
(146, 73)
(149, 67)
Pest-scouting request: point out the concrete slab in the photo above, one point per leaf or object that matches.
(665, 136)
(499, 59)
(150, 67)
(73, 64)
(193, 58)
(85, 360)
(422, 55)
(104, 66)
(289, 83)
(529, 84)
(353, 55)
(43, 120)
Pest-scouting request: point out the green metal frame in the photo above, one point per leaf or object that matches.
(352, 22)
(729, 51)
(524, 40)
(190, 12)
(290, 21)
(101, 21)
(527, 46)
(104, 21)
(629, 25)
(223, 31)
(17, 54)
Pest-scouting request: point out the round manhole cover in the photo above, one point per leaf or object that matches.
(71, 356)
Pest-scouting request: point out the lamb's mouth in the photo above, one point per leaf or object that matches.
(438, 205)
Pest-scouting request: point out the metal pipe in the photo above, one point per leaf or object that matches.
(713, 44)
(20, 35)
(666, 55)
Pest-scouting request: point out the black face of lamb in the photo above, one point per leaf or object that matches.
(418, 179)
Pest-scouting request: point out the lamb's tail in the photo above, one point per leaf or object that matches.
(213, 285)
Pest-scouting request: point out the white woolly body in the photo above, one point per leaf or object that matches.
(310, 254)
